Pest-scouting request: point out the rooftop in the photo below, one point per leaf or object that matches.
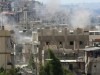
(92, 49)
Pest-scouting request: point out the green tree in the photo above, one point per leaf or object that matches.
(67, 72)
(12, 71)
(2, 73)
(53, 66)
(31, 64)
(56, 66)
(42, 72)
(1, 69)
(31, 61)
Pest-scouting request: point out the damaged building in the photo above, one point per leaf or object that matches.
(62, 41)
(6, 50)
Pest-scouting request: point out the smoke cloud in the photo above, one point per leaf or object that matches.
(50, 10)
(80, 18)
(11, 25)
(52, 6)
(76, 17)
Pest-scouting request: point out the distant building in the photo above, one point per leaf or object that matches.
(26, 12)
(5, 5)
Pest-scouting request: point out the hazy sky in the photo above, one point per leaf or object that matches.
(72, 1)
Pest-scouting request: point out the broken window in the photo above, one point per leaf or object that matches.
(9, 43)
(47, 43)
(91, 33)
(71, 42)
(60, 43)
(81, 43)
(97, 33)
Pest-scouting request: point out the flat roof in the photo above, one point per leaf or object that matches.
(64, 61)
(92, 49)
(68, 60)
(94, 31)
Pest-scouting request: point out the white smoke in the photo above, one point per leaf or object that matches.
(50, 10)
(80, 18)
(52, 6)
(3, 19)
(11, 25)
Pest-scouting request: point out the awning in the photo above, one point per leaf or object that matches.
(64, 61)
(92, 49)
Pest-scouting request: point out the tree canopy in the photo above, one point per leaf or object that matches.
(53, 66)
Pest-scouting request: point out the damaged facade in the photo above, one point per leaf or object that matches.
(6, 50)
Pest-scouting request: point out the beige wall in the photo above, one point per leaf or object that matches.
(54, 37)
(4, 60)
(92, 37)
(5, 53)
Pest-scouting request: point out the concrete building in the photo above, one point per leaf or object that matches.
(68, 46)
(94, 38)
(92, 61)
(26, 52)
(18, 53)
(69, 39)
(6, 50)
(62, 41)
